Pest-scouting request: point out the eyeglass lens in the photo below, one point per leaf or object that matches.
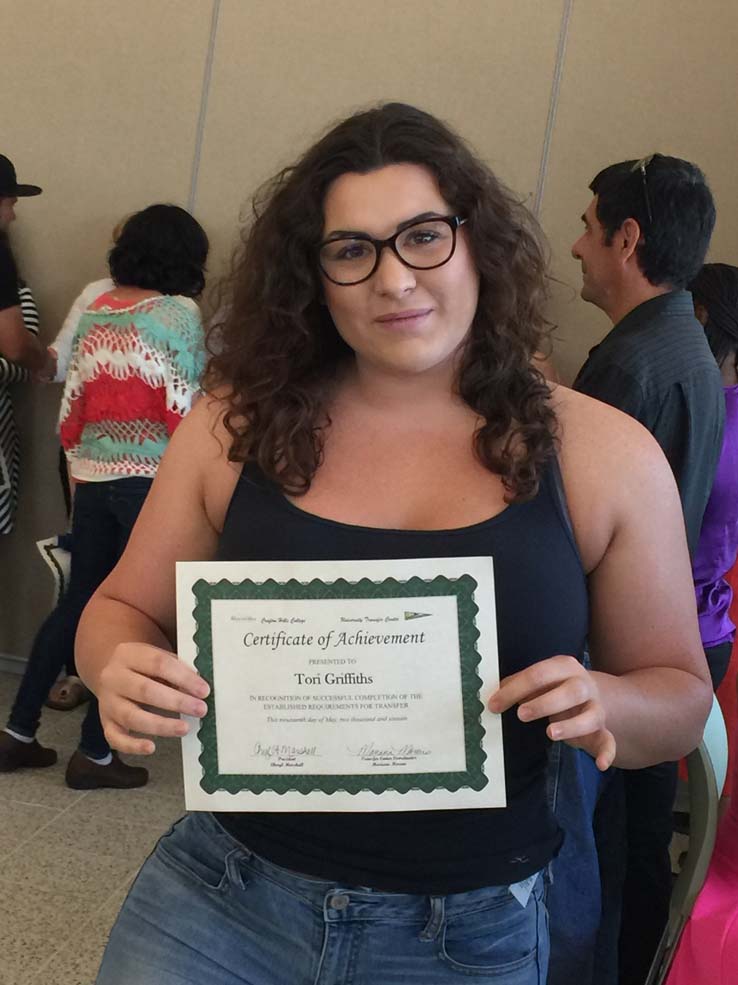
(422, 246)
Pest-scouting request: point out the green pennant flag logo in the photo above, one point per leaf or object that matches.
(417, 615)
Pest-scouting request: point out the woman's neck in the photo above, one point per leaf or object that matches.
(124, 293)
(403, 392)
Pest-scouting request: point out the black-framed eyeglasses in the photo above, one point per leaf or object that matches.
(641, 166)
(422, 245)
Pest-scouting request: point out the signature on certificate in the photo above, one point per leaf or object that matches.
(370, 751)
(280, 750)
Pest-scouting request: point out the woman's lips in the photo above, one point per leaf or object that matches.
(409, 317)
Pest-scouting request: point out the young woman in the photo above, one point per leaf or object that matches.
(374, 398)
(135, 366)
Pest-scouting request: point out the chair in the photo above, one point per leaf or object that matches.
(707, 768)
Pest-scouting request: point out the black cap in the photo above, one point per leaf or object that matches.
(9, 187)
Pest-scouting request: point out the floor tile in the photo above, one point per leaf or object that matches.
(75, 964)
(144, 806)
(39, 912)
(72, 871)
(19, 822)
(44, 787)
(126, 838)
(22, 954)
(76, 961)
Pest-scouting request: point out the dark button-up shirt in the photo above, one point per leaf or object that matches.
(656, 365)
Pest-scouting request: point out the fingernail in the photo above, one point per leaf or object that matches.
(199, 709)
(554, 732)
(524, 713)
(203, 689)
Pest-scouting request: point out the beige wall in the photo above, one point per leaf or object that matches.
(112, 106)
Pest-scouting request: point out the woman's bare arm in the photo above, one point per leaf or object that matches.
(647, 699)
(644, 635)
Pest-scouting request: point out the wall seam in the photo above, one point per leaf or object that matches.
(202, 115)
(552, 106)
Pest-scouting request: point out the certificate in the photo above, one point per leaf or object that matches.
(342, 685)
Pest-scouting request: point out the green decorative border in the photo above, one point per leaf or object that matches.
(462, 588)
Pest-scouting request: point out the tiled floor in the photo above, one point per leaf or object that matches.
(68, 857)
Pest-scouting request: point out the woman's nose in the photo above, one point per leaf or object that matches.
(392, 276)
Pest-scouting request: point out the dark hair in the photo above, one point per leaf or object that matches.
(675, 238)
(279, 349)
(161, 248)
(716, 288)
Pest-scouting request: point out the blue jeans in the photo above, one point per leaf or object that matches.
(583, 898)
(104, 515)
(206, 910)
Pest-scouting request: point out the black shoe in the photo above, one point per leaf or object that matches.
(17, 755)
(83, 774)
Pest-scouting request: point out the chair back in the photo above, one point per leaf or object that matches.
(707, 767)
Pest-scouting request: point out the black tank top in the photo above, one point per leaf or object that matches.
(542, 610)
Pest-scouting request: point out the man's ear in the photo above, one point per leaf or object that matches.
(629, 235)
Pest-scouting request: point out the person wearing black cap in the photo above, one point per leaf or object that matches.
(20, 351)
(16, 343)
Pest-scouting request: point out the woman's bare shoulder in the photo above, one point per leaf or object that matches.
(204, 430)
(594, 430)
(613, 470)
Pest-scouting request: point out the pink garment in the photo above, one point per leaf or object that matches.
(707, 953)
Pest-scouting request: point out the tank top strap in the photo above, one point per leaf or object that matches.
(554, 482)
(252, 473)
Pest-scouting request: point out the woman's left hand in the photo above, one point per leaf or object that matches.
(563, 691)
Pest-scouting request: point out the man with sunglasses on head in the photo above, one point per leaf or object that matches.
(646, 233)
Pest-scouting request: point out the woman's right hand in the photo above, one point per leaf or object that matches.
(143, 689)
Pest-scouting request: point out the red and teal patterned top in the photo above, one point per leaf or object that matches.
(132, 377)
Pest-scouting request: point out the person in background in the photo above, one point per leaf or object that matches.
(69, 692)
(21, 354)
(61, 347)
(374, 396)
(715, 294)
(646, 231)
(135, 367)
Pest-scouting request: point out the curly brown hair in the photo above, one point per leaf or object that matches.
(278, 351)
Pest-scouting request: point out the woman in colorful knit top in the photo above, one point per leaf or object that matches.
(135, 366)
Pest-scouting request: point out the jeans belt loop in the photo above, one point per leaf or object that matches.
(435, 920)
(233, 866)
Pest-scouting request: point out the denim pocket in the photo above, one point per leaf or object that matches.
(498, 943)
(196, 858)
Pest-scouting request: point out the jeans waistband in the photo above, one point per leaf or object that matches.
(336, 897)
